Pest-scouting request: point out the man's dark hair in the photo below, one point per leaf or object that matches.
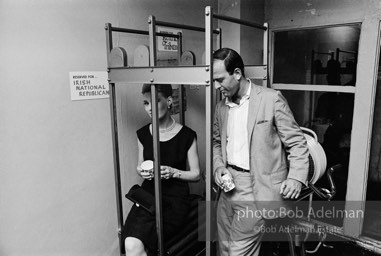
(231, 58)
(165, 89)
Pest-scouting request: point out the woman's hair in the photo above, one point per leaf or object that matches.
(231, 58)
(165, 89)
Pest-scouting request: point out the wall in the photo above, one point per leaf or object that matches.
(56, 184)
(247, 41)
(251, 42)
(230, 31)
(297, 13)
(57, 194)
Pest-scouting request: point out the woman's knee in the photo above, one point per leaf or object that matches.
(134, 245)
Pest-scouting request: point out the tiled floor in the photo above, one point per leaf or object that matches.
(343, 249)
(329, 248)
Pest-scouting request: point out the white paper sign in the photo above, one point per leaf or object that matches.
(167, 44)
(88, 85)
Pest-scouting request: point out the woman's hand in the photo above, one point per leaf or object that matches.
(146, 174)
(167, 172)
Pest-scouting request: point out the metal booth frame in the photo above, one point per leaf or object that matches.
(191, 75)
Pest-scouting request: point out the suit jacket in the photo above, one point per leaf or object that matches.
(278, 148)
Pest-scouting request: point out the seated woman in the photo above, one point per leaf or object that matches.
(177, 145)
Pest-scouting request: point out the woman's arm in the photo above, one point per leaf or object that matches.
(193, 174)
(140, 172)
(140, 157)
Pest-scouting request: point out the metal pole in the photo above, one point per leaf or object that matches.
(181, 87)
(219, 46)
(109, 46)
(118, 190)
(156, 142)
(266, 53)
(312, 67)
(179, 46)
(208, 124)
(219, 38)
(181, 26)
(311, 94)
(181, 104)
(140, 32)
(128, 30)
(115, 145)
(239, 21)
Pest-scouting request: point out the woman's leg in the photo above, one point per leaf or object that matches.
(134, 247)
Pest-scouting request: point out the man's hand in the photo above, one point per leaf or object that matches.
(218, 176)
(291, 188)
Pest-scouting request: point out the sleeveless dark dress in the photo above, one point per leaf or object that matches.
(175, 204)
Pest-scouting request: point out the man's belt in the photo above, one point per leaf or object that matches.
(239, 169)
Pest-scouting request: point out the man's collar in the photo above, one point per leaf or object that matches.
(231, 104)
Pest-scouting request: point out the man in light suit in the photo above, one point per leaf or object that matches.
(255, 136)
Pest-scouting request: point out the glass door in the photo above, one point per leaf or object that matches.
(372, 218)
